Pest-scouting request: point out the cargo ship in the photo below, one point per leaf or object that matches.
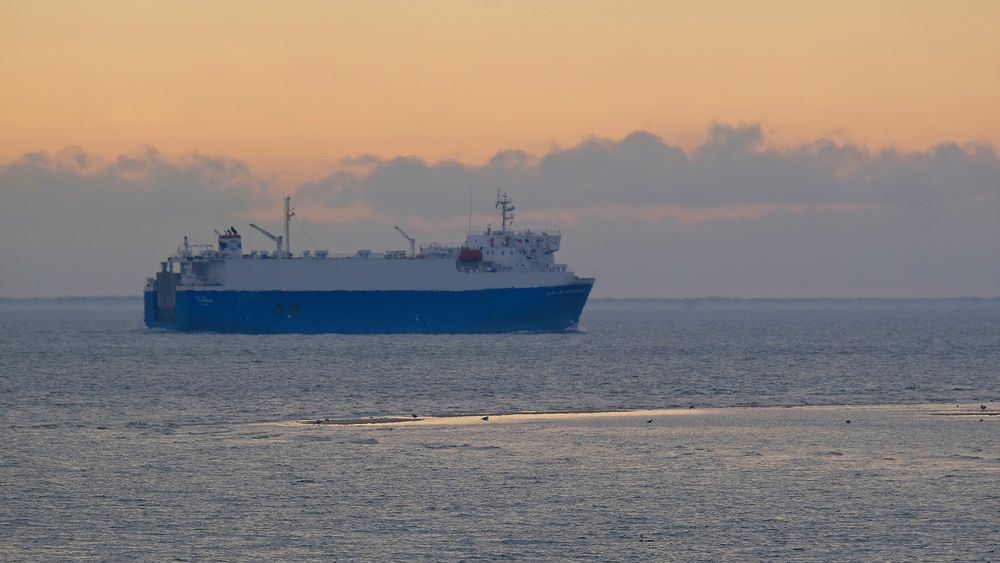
(504, 280)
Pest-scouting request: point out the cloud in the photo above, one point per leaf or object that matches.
(732, 169)
(362, 161)
(72, 223)
(733, 216)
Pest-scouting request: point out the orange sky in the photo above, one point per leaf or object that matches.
(293, 87)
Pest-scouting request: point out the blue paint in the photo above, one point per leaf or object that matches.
(370, 312)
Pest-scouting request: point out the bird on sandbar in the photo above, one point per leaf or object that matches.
(982, 407)
(487, 417)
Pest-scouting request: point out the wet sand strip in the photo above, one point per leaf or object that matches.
(479, 418)
(465, 418)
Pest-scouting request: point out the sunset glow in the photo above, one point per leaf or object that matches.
(293, 91)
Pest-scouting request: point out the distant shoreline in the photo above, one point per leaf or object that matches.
(73, 299)
(793, 303)
(787, 299)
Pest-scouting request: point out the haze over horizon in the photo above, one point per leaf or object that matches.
(775, 150)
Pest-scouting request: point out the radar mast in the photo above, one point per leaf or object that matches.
(506, 210)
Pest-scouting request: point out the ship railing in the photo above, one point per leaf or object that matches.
(194, 249)
(387, 255)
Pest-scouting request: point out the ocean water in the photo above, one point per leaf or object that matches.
(118, 442)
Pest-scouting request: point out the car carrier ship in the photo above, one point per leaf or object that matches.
(502, 280)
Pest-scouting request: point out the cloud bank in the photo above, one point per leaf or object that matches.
(731, 217)
(74, 224)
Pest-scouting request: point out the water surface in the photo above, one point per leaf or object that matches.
(121, 442)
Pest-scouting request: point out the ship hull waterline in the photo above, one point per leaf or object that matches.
(531, 309)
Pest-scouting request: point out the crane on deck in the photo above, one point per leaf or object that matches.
(287, 239)
(278, 239)
(413, 242)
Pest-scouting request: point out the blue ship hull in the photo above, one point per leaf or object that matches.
(372, 312)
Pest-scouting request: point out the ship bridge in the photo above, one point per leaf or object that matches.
(511, 249)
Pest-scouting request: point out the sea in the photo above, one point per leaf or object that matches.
(679, 430)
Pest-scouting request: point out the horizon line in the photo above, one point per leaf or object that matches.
(604, 298)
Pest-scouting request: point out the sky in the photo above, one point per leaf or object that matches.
(766, 149)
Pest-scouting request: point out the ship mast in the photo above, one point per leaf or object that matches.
(277, 239)
(289, 213)
(506, 210)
